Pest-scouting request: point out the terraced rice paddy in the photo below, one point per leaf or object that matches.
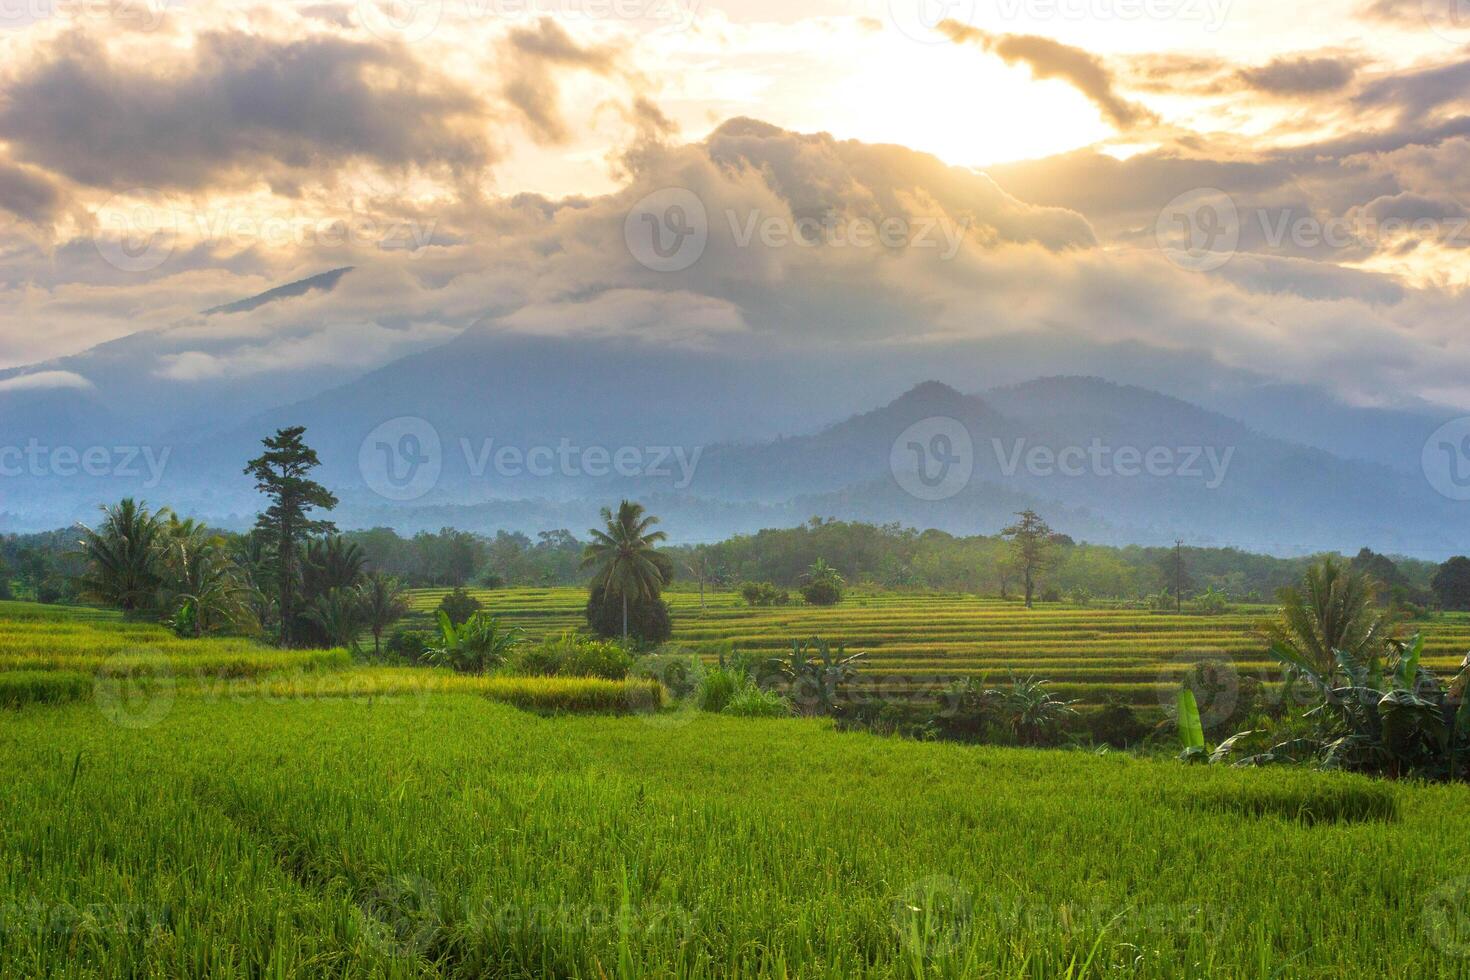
(916, 641)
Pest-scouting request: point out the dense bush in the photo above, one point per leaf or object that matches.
(822, 585)
(750, 701)
(718, 686)
(764, 594)
(680, 672)
(648, 619)
(573, 655)
(409, 646)
(1227, 699)
(21, 688)
(1117, 725)
(459, 606)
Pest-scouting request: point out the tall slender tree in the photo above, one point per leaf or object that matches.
(281, 474)
(623, 554)
(1032, 549)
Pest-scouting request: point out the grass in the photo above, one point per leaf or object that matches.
(916, 641)
(453, 836)
(22, 688)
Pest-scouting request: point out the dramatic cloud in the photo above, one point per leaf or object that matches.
(1050, 59)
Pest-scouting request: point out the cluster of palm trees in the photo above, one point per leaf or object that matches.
(202, 581)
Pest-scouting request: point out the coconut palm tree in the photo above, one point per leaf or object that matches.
(123, 556)
(623, 554)
(199, 582)
(383, 603)
(338, 615)
(1332, 612)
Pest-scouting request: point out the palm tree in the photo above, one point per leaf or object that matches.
(122, 556)
(200, 583)
(1333, 613)
(624, 556)
(339, 615)
(383, 603)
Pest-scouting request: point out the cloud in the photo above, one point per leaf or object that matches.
(1300, 75)
(45, 381)
(1051, 59)
(236, 107)
(531, 85)
(27, 193)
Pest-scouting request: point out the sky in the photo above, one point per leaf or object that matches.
(1281, 187)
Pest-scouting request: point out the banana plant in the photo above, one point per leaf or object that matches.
(816, 682)
(483, 642)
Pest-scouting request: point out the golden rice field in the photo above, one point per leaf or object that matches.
(915, 641)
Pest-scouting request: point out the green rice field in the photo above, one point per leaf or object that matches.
(914, 641)
(451, 836)
(276, 815)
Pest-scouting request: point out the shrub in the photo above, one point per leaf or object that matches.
(1227, 699)
(764, 594)
(1051, 595)
(407, 645)
(718, 686)
(459, 606)
(479, 645)
(1117, 725)
(752, 702)
(573, 655)
(823, 585)
(648, 619)
(21, 688)
(679, 672)
(1211, 602)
